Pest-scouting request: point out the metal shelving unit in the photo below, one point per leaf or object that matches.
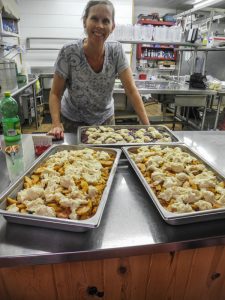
(201, 49)
(9, 34)
(176, 45)
(158, 42)
(29, 39)
(195, 50)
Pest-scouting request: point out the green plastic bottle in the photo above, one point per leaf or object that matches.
(10, 120)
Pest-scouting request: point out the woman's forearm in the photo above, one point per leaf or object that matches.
(55, 108)
(57, 130)
(56, 92)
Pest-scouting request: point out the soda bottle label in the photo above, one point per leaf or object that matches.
(11, 129)
(11, 132)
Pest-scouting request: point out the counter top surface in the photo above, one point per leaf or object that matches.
(131, 225)
(23, 87)
(181, 90)
(185, 90)
(221, 92)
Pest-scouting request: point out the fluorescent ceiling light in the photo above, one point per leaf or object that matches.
(196, 1)
(206, 3)
(198, 6)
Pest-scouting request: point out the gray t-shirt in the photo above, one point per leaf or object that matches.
(88, 95)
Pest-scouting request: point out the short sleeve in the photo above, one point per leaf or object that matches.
(122, 63)
(61, 64)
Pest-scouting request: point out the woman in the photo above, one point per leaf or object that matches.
(85, 71)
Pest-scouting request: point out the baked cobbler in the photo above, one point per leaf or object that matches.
(181, 182)
(69, 184)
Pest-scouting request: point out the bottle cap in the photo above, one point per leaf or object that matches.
(7, 94)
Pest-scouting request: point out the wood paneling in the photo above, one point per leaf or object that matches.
(190, 274)
(33, 283)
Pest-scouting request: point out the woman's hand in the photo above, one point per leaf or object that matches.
(57, 132)
(55, 106)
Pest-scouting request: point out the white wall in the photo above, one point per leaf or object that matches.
(58, 19)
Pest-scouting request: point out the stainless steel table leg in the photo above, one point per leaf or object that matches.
(210, 105)
(186, 114)
(180, 64)
(204, 115)
(35, 106)
(218, 111)
(194, 61)
(164, 111)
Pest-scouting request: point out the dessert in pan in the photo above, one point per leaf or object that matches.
(182, 185)
(125, 135)
(68, 185)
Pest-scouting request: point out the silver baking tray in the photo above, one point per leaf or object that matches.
(161, 128)
(57, 223)
(171, 217)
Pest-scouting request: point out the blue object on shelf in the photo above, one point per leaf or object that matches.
(169, 18)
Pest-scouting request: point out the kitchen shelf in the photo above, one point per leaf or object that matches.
(158, 58)
(155, 23)
(8, 26)
(200, 49)
(40, 49)
(157, 50)
(8, 34)
(157, 46)
(121, 41)
(158, 42)
(166, 69)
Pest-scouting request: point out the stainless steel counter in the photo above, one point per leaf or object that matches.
(220, 94)
(124, 109)
(131, 225)
(21, 89)
(185, 90)
(181, 91)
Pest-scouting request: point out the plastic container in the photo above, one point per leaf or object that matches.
(21, 80)
(142, 76)
(14, 159)
(41, 143)
(10, 120)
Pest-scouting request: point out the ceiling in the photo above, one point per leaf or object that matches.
(173, 4)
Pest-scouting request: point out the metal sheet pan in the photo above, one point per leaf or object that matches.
(161, 128)
(173, 218)
(57, 223)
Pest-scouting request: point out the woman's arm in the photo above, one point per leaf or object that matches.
(133, 95)
(56, 92)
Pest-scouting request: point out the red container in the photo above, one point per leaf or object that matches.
(39, 149)
(142, 76)
(41, 143)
